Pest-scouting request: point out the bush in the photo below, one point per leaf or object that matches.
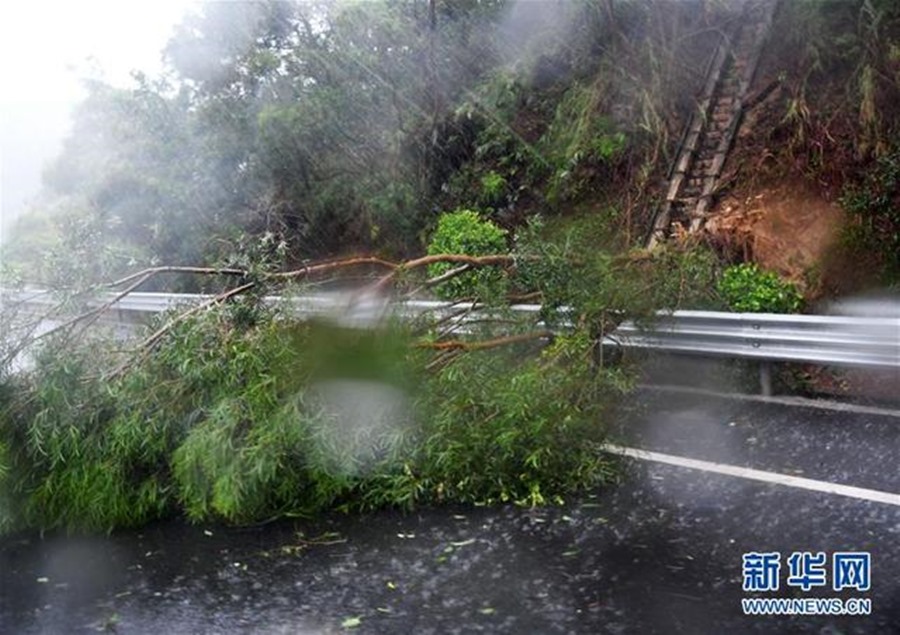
(493, 189)
(248, 421)
(500, 428)
(747, 288)
(874, 205)
(465, 232)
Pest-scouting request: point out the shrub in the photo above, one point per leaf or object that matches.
(875, 207)
(247, 421)
(500, 428)
(465, 232)
(747, 288)
(493, 188)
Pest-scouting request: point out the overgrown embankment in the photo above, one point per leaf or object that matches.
(239, 412)
(284, 135)
(811, 187)
(249, 424)
(345, 127)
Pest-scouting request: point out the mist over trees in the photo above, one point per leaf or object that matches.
(335, 127)
(312, 121)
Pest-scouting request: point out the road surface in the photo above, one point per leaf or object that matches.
(659, 553)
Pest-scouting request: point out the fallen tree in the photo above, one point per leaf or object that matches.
(233, 409)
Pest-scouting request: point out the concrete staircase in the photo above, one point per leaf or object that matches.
(709, 134)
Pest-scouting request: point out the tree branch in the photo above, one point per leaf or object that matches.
(150, 341)
(333, 264)
(135, 280)
(424, 261)
(152, 271)
(439, 279)
(88, 317)
(459, 345)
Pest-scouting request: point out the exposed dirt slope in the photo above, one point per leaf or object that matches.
(789, 227)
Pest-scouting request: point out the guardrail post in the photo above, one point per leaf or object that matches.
(597, 352)
(765, 378)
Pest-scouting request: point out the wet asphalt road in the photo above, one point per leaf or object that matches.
(659, 553)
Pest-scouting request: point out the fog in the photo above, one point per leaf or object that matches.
(47, 50)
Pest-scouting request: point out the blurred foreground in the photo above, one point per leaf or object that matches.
(660, 553)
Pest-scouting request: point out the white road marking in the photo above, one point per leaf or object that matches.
(775, 478)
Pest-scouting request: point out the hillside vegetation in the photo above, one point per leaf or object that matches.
(340, 127)
(482, 150)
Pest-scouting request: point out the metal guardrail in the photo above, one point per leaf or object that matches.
(350, 308)
(829, 340)
(818, 339)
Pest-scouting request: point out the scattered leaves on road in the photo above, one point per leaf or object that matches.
(351, 622)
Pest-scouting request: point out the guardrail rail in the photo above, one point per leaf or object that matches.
(768, 337)
(764, 337)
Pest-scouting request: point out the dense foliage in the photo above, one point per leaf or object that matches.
(464, 232)
(246, 424)
(747, 288)
(874, 206)
(341, 126)
(287, 132)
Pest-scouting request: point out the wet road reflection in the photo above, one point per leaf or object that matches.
(659, 553)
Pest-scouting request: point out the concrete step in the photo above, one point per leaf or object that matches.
(702, 167)
(690, 192)
(694, 182)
